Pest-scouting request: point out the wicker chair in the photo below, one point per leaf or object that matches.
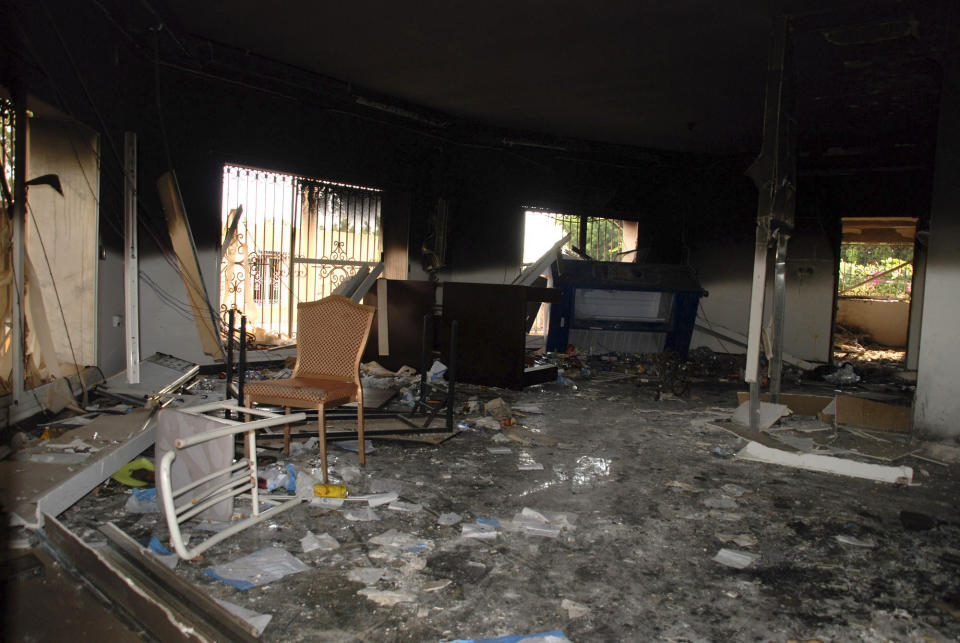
(331, 335)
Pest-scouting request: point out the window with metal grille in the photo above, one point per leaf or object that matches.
(295, 239)
(598, 238)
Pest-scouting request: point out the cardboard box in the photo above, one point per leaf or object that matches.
(845, 409)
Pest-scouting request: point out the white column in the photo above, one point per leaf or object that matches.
(131, 264)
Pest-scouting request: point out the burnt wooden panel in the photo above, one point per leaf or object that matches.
(493, 319)
(407, 303)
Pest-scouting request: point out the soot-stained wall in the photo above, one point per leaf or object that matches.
(723, 248)
(689, 208)
(195, 123)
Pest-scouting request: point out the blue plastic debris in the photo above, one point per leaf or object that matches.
(156, 546)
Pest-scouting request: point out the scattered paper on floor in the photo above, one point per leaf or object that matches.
(259, 568)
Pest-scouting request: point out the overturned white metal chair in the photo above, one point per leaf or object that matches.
(235, 479)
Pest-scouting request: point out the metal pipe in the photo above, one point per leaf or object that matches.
(779, 306)
(277, 420)
(756, 319)
(242, 375)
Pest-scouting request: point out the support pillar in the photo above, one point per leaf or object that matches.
(774, 173)
(937, 405)
(131, 270)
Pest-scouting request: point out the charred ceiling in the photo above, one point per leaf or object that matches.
(869, 87)
(620, 108)
(688, 78)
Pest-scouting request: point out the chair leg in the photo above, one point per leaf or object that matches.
(286, 433)
(322, 426)
(361, 447)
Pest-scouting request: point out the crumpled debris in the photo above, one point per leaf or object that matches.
(142, 501)
(843, 376)
(323, 542)
(498, 409)
(542, 523)
(360, 514)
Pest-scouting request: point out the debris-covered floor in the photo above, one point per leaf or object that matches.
(600, 515)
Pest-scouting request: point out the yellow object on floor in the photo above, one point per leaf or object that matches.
(125, 474)
(330, 491)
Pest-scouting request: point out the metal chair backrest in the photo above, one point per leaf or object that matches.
(331, 335)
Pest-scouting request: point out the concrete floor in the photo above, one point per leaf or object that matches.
(649, 497)
(56, 606)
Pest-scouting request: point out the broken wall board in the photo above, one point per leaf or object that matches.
(798, 404)
(845, 409)
(32, 403)
(30, 489)
(756, 452)
(63, 227)
(769, 414)
(183, 245)
(875, 415)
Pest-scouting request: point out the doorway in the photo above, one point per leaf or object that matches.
(874, 291)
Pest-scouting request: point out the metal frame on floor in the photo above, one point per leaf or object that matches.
(242, 475)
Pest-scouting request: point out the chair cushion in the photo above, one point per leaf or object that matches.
(304, 389)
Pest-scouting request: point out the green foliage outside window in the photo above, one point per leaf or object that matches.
(859, 262)
(604, 237)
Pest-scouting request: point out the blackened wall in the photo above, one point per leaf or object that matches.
(104, 72)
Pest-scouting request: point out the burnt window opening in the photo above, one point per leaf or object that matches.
(596, 238)
(289, 239)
